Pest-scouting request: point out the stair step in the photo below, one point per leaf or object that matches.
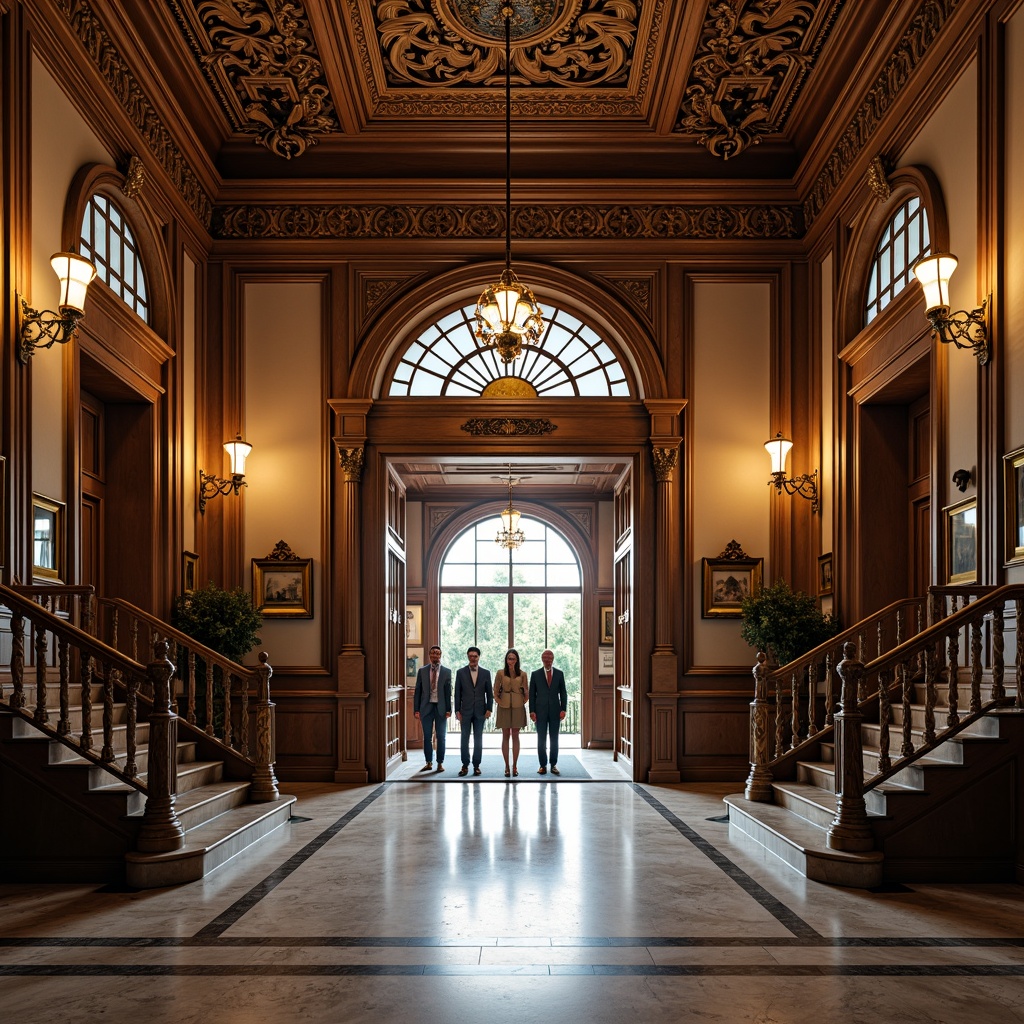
(209, 845)
(802, 845)
(197, 806)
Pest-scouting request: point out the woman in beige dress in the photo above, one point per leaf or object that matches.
(511, 689)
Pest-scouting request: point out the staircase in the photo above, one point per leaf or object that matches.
(102, 779)
(840, 807)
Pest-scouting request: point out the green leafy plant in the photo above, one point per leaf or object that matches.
(223, 620)
(784, 623)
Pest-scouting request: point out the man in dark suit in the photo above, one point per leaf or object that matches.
(432, 705)
(474, 700)
(548, 704)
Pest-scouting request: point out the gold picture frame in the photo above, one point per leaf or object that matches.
(607, 624)
(1013, 478)
(189, 571)
(962, 542)
(825, 575)
(414, 625)
(282, 588)
(726, 582)
(48, 540)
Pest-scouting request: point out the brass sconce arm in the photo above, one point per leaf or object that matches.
(806, 486)
(37, 325)
(964, 329)
(210, 486)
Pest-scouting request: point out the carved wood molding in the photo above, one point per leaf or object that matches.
(350, 460)
(373, 290)
(640, 290)
(438, 515)
(664, 460)
(134, 178)
(112, 67)
(261, 61)
(282, 553)
(922, 32)
(749, 66)
(617, 222)
(508, 426)
(583, 515)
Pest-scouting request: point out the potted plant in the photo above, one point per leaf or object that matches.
(784, 623)
(226, 622)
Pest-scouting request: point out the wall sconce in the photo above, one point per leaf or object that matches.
(806, 486)
(74, 273)
(965, 329)
(210, 486)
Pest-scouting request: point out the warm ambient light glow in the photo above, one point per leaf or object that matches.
(806, 486)
(934, 273)
(510, 536)
(778, 451)
(238, 451)
(44, 328)
(75, 275)
(211, 485)
(965, 328)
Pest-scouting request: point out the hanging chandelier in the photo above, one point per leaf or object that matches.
(507, 314)
(510, 536)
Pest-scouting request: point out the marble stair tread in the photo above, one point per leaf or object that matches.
(209, 845)
(185, 768)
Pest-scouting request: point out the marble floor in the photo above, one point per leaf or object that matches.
(596, 901)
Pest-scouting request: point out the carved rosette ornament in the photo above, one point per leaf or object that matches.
(282, 553)
(134, 179)
(664, 460)
(508, 426)
(733, 552)
(749, 66)
(351, 462)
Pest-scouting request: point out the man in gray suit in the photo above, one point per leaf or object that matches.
(432, 705)
(474, 700)
(548, 704)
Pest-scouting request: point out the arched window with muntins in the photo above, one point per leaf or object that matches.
(107, 241)
(904, 241)
(571, 360)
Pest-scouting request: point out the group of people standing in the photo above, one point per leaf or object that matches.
(473, 700)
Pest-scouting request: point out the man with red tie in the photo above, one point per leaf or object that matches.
(548, 704)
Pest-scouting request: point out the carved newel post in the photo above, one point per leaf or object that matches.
(161, 830)
(849, 829)
(264, 782)
(759, 782)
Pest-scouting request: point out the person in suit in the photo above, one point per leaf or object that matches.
(432, 706)
(510, 691)
(548, 704)
(474, 700)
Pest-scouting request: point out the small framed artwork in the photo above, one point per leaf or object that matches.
(47, 538)
(413, 661)
(727, 582)
(1013, 476)
(413, 625)
(189, 571)
(605, 661)
(962, 541)
(824, 574)
(282, 584)
(607, 624)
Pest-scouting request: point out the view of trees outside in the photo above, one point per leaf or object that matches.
(530, 602)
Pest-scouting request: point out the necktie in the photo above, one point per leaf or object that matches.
(433, 676)
(549, 677)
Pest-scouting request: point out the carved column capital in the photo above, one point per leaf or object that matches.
(351, 461)
(664, 460)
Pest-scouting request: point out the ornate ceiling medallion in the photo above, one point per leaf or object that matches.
(480, 21)
(752, 59)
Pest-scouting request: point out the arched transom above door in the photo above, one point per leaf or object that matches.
(571, 360)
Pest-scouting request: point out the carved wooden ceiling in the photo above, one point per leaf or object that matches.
(602, 89)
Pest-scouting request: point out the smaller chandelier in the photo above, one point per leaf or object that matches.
(507, 315)
(510, 536)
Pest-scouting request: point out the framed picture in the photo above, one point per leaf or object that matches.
(607, 624)
(605, 661)
(824, 574)
(962, 541)
(727, 582)
(413, 661)
(413, 625)
(282, 588)
(189, 571)
(47, 538)
(1013, 478)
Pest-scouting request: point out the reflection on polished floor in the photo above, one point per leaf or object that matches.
(597, 901)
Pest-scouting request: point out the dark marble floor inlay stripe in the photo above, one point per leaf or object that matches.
(262, 889)
(753, 889)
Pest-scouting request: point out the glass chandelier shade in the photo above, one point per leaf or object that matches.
(510, 536)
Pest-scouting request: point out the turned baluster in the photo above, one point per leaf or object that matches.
(849, 829)
(929, 694)
(829, 691)
(759, 781)
(190, 699)
(41, 715)
(920, 625)
(998, 642)
(906, 685)
(779, 717)
(880, 646)
(976, 667)
(244, 723)
(107, 753)
(211, 672)
(264, 782)
(953, 690)
(17, 659)
(229, 728)
(812, 699)
(86, 670)
(884, 719)
(64, 722)
(794, 718)
(133, 634)
(131, 767)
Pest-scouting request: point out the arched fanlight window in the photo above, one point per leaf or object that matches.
(904, 241)
(107, 241)
(571, 360)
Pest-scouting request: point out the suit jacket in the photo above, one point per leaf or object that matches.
(473, 700)
(421, 695)
(548, 700)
